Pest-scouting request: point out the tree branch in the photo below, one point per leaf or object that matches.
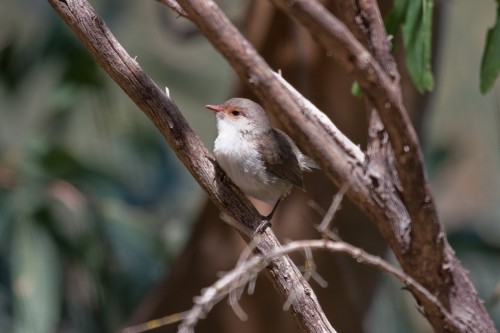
(248, 268)
(365, 20)
(340, 159)
(386, 97)
(427, 233)
(165, 115)
(172, 4)
(422, 250)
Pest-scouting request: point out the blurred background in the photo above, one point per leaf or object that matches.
(101, 227)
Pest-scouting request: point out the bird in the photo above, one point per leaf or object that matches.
(264, 162)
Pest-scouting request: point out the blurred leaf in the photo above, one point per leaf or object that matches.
(13, 65)
(396, 16)
(7, 210)
(356, 89)
(35, 270)
(62, 240)
(134, 240)
(88, 179)
(59, 163)
(467, 240)
(79, 67)
(490, 63)
(416, 19)
(436, 157)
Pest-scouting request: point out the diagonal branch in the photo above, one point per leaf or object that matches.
(340, 159)
(424, 253)
(248, 268)
(157, 106)
(430, 256)
(364, 19)
(165, 115)
(386, 97)
(172, 4)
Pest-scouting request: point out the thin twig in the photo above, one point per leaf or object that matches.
(156, 323)
(354, 57)
(428, 256)
(338, 163)
(164, 114)
(232, 283)
(172, 4)
(387, 208)
(387, 98)
(334, 207)
(243, 273)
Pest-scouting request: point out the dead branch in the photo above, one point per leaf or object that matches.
(248, 269)
(428, 237)
(172, 4)
(418, 252)
(165, 115)
(421, 248)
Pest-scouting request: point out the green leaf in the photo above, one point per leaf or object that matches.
(35, 269)
(490, 64)
(356, 89)
(416, 18)
(396, 16)
(417, 38)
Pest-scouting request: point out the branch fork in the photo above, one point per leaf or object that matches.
(407, 219)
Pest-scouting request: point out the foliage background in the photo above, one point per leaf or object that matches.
(94, 205)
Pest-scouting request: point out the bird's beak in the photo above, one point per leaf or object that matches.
(215, 108)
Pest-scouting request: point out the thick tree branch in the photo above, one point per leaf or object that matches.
(427, 235)
(365, 21)
(428, 238)
(165, 115)
(425, 255)
(340, 159)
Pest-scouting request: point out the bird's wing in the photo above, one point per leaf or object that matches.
(279, 157)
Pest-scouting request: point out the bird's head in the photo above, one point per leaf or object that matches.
(242, 115)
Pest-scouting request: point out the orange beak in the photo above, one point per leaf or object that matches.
(215, 108)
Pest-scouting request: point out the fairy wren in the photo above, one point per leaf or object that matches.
(261, 160)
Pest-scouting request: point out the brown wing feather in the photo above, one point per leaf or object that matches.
(279, 158)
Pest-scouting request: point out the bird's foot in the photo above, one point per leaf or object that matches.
(266, 220)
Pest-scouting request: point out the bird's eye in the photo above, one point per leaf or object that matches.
(235, 113)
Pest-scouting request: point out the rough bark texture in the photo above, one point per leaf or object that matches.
(165, 115)
(405, 215)
(428, 256)
(421, 246)
(351, 286)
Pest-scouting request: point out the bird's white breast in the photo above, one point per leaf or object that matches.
(242, 162)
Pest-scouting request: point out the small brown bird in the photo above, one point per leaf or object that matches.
(262, 161)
